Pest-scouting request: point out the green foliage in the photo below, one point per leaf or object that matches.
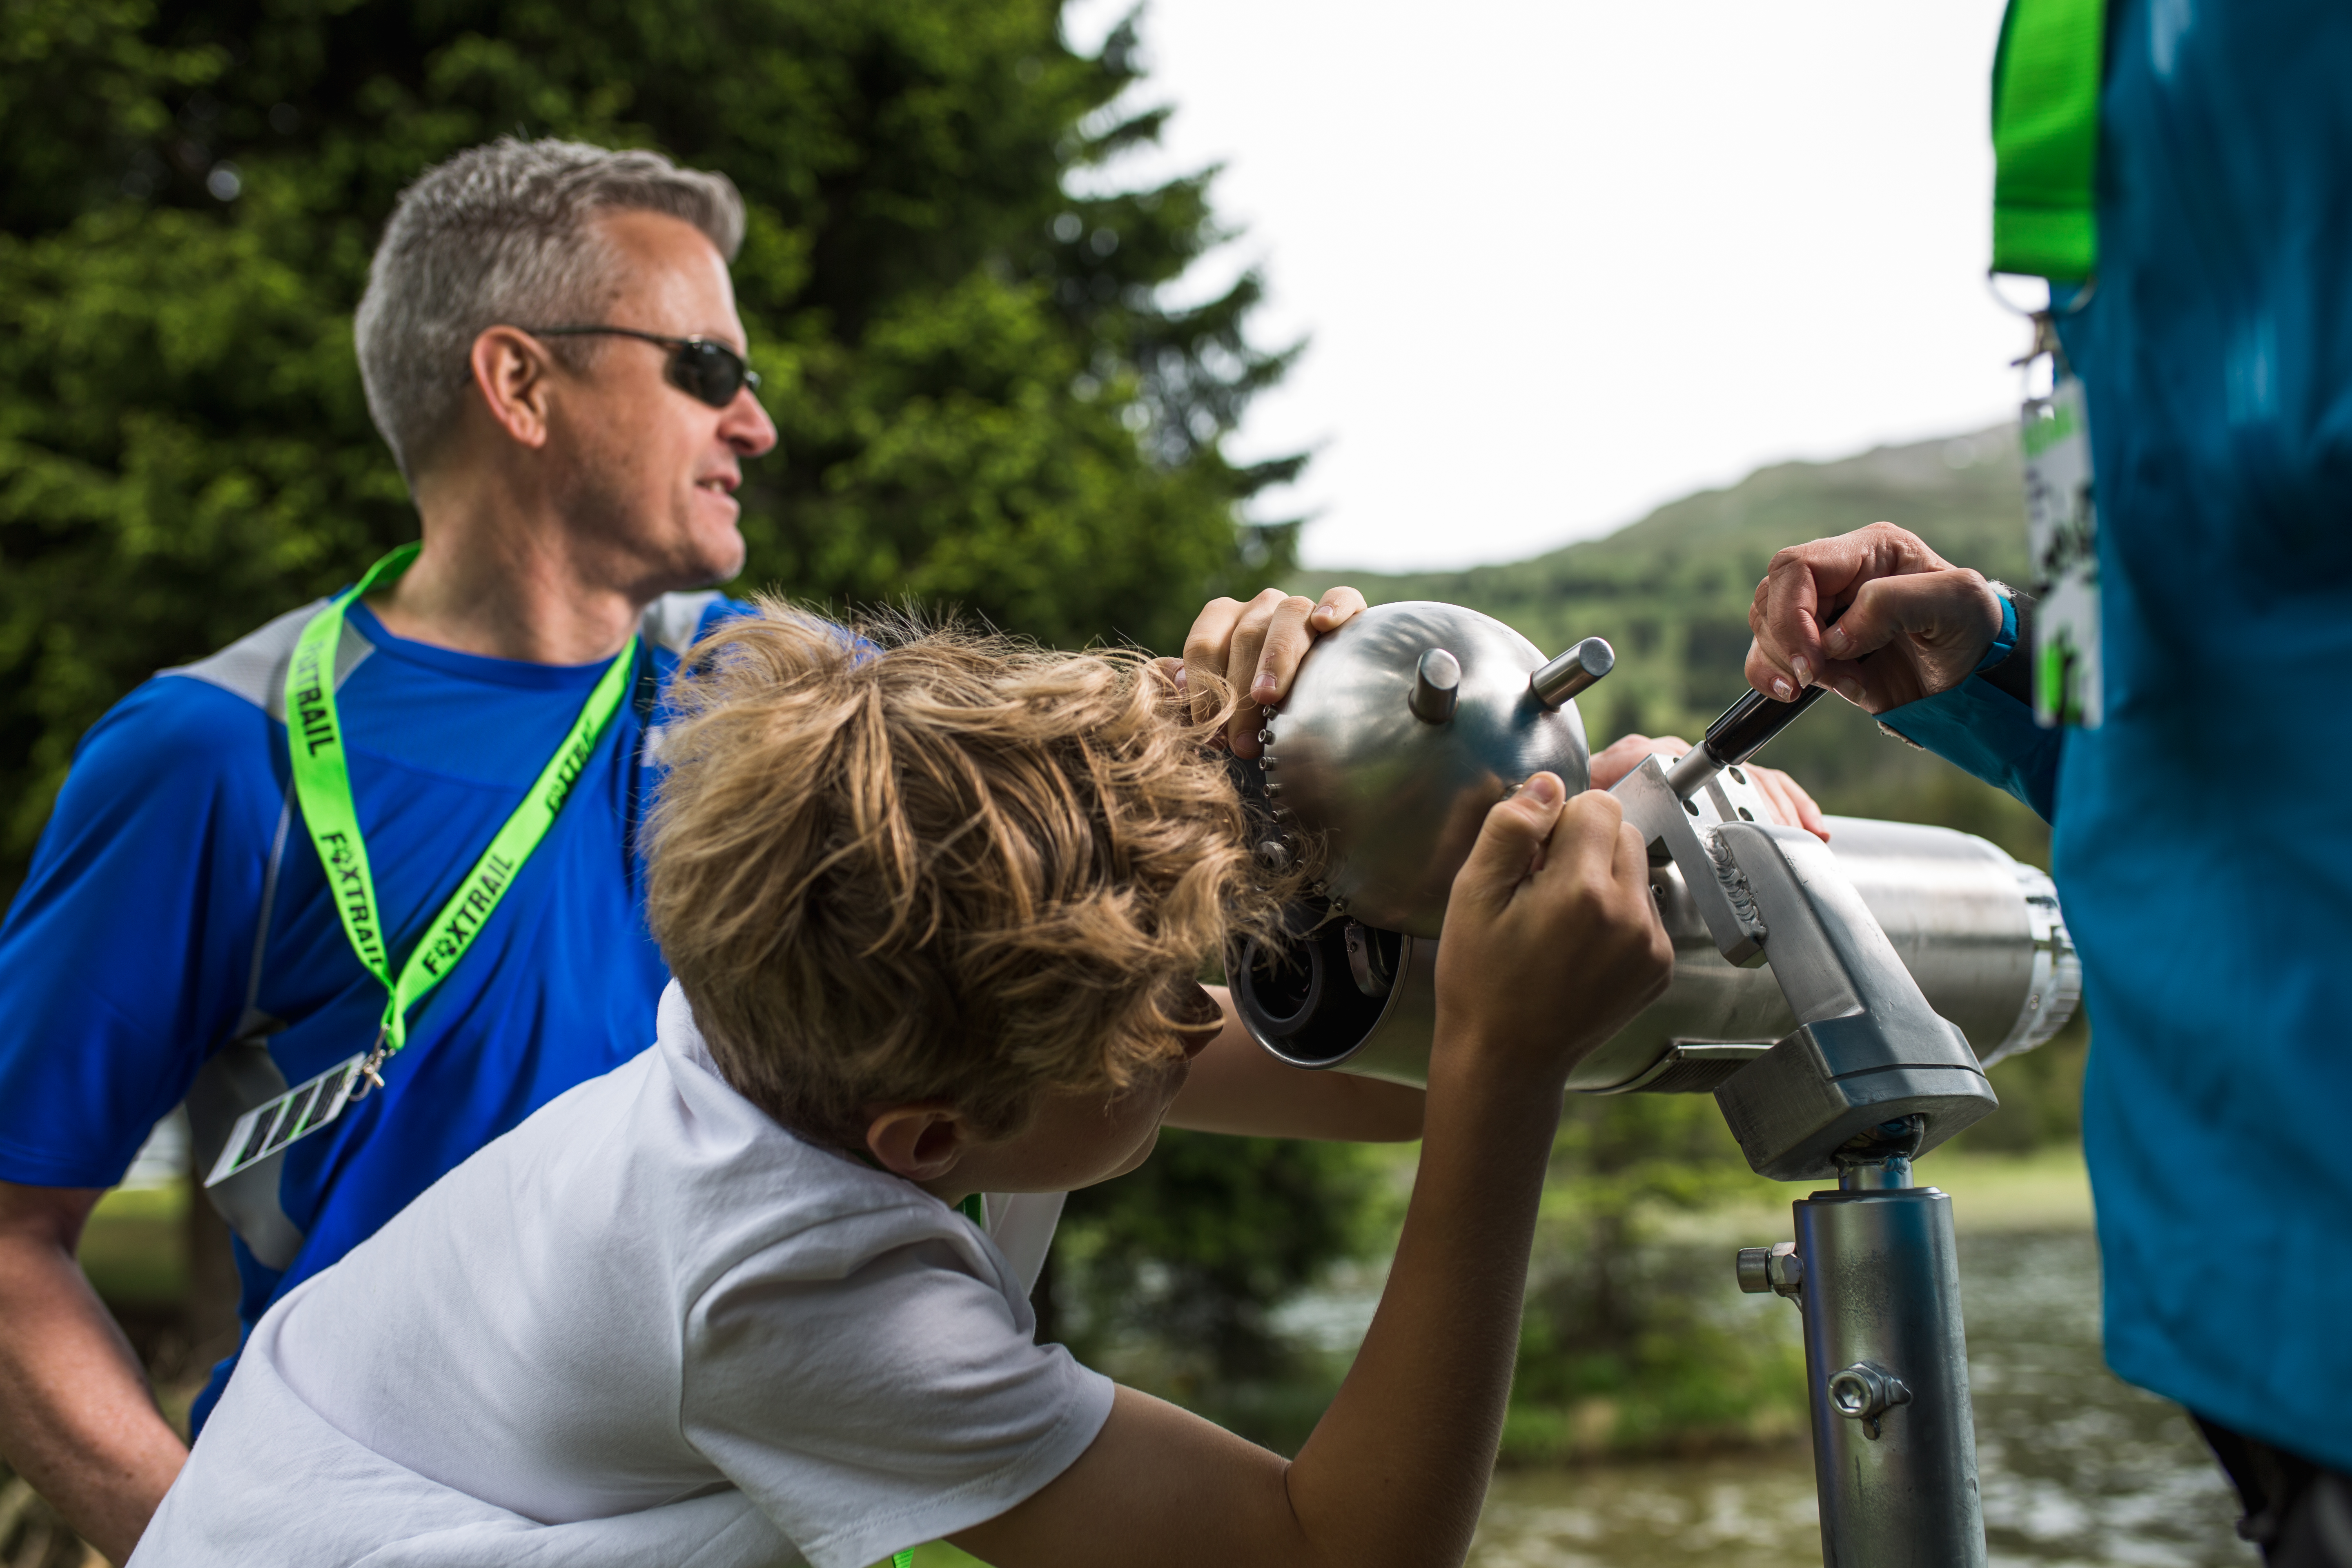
(980, 401)
(1168, 1277)
(1693, 1371)
(1624, 1345)
(133, 1249)
(1619, 1157)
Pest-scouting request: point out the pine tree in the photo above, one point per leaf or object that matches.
(982, 401)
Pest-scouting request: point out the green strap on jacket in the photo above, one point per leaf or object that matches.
(2045, 137)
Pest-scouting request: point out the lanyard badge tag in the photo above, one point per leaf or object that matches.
(274, 1123)
(2062, 541)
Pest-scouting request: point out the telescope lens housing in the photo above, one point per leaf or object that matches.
(1981, 933)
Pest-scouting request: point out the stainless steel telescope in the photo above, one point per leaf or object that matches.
(1840, 1002)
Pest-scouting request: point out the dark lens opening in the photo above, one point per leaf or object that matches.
(1303, 1000)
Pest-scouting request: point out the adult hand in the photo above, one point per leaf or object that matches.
(1909, 622)
(1554, 941)
(1255, 648)
(1790, 802)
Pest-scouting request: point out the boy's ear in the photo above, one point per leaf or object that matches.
(921, 1142)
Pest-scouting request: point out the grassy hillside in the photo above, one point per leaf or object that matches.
(1671, 594)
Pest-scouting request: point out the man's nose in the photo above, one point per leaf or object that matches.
(746, 425)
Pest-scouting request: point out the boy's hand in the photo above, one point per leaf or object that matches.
(1552, 942)
(1256, 648)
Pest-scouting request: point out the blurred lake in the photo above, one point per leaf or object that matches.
(2078, 1468)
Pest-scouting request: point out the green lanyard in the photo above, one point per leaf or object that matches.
(322, 782)
(2045, 137)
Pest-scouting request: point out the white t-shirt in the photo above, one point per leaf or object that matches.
(648, 1326)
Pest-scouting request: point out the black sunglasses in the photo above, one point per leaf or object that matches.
(702, 368)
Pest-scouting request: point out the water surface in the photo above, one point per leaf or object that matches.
(2078, 1468)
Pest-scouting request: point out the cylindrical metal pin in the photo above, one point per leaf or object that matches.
(1572, 673)
(1436, 686)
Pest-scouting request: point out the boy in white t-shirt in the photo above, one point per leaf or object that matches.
(935, 904)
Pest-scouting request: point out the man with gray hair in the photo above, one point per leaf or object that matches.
(380, 851)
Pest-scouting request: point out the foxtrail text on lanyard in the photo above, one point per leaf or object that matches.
(322, 784)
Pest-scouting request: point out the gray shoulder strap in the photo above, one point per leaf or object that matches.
(254, 667)
(672, 620)
(237, 1078)
(242, 1074)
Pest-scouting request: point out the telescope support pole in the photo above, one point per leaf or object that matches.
(1876, 1274)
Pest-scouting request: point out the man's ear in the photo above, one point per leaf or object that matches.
(921, 1142)
(511, 375)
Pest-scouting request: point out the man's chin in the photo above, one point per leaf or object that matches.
(724, 569)
(710, 557)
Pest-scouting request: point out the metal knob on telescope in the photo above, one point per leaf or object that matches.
(1572, 673)
(1739, 734)
(1436, 686)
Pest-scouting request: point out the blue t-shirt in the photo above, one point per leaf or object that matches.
(175, 939)
(2201, 844)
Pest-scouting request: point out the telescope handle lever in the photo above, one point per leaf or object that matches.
(1740, 732)
(1754, 719)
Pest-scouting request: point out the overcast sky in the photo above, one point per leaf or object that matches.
(1561, 260)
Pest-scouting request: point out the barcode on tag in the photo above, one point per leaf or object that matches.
(274, 1123)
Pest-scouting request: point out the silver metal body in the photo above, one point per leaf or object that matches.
(1691, 772)
(1867, 1047)
(1979, 931)
(1393, 800)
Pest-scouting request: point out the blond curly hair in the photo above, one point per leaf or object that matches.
(894, 863)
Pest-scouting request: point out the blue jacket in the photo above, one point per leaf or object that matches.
(2201, 840)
